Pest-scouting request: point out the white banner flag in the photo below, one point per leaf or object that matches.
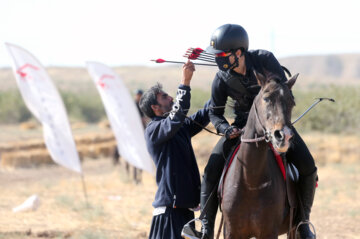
(43, 100)
(123, 116)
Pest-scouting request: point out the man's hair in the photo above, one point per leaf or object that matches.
(150, 98)
(139, 92)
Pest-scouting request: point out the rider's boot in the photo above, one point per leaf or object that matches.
(211, 208)
(209, 202)
(307, 189)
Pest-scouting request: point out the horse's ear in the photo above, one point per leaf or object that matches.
(290, 83)
(261, 79)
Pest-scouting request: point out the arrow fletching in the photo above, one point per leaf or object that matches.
(159, 60)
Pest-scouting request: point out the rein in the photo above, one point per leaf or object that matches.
(204, 127)
(197, 123)
(267, 136)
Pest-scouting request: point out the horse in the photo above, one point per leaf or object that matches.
(254, 200)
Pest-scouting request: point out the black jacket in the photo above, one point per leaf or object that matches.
(168, 141)
(241, 88)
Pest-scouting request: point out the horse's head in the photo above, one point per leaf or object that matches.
(274, 105)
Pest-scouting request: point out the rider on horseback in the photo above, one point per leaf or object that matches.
(236, 79)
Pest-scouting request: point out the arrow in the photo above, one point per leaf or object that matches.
(180, 62)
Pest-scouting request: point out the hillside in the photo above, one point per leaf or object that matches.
(335, 69)
(78, 79)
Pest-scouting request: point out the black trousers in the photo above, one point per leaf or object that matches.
(298, 154)
(169, 224)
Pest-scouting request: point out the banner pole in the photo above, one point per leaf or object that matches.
(84, 190)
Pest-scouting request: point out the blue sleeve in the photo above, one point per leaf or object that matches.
(201, 118)
(162, 130)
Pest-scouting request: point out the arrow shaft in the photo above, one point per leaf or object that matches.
(180, 62)
(200, 59)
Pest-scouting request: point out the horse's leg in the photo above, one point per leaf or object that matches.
(135, 175)
(228, 234)
(116, 157)
(140, 176)
(231, 234)
(127, 167)
(224, 231)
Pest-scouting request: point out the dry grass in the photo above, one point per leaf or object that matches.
(331, 148)
(63, 212)
(32, 152)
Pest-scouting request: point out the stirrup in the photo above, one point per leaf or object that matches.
(190, 232)
(305, 222)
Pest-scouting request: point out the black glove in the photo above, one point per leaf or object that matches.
(229, 130)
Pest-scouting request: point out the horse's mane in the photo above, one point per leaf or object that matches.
(273, 80)
(271, 76)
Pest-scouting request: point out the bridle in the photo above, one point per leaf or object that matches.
(267, 135)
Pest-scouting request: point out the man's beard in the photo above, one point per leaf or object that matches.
(167, 108)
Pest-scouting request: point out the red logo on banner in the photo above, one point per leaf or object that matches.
(102, 78)
(21, 72)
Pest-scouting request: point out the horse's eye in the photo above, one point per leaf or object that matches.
(266, 99)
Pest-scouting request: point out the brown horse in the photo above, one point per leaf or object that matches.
(254, 194)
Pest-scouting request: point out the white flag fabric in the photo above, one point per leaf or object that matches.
(123, 116)
(43, 100)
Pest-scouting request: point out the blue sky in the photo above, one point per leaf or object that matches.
(116, 32)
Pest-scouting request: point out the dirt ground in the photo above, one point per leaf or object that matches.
(118, 208)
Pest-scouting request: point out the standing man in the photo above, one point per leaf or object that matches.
(138, 172)
(236, 80)
(138, 94)
(168, 139)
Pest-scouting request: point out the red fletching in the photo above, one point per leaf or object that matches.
(199, 54)
(197, 51)
(193, 56)
(159, 61)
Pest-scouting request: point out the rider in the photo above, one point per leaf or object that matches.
(237, 80)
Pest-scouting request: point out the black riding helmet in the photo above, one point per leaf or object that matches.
(228, 37)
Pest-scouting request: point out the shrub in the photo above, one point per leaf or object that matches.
(81, 106)
(84, 106)
(343, 116)
(12, 108)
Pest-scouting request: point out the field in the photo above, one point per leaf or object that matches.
(119, 208)
(116, 207)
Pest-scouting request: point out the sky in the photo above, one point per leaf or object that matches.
(132, 32)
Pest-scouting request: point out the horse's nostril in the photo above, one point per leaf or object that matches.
(279, 135)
